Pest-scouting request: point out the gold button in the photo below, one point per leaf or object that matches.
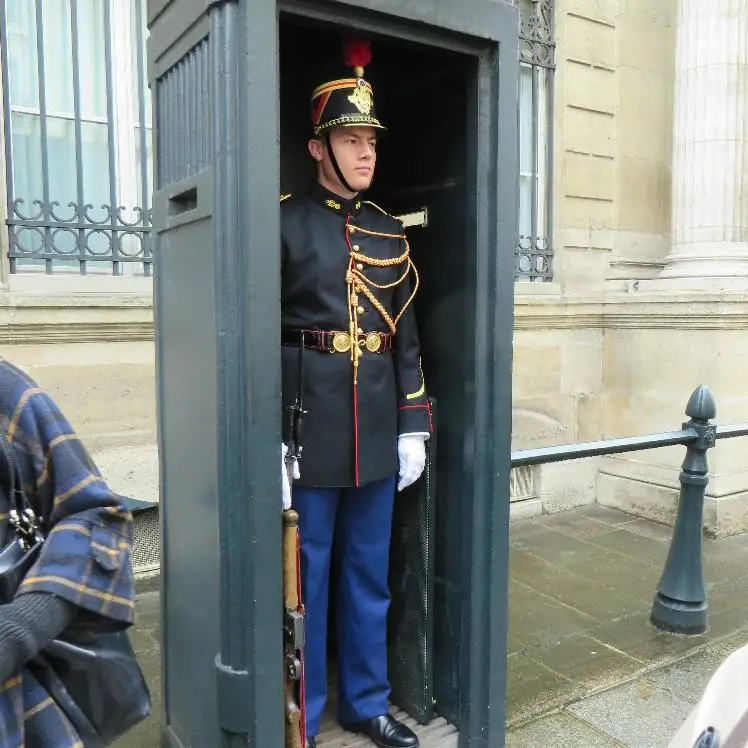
(359, 266)
(352, 229)
(360, 310)
(356, 247)
(360, 331)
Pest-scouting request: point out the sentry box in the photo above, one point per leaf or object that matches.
(231, 103)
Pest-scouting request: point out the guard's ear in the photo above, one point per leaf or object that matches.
(316, 149)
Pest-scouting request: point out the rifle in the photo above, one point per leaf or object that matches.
(293, 613)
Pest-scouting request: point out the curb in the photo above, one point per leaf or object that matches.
(147, 580)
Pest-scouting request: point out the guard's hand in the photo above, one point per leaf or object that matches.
(411, 449)
(284, 478)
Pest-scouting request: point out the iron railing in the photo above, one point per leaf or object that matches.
(534, 253)
(680, 604)
(71, 231)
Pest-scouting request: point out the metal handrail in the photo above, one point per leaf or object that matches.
(565, 452)
(680, 604)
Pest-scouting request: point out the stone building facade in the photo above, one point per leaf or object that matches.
(632, 267)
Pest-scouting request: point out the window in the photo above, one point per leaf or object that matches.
(537, 47)
(77, 129)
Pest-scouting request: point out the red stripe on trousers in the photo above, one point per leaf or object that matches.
(355, 427)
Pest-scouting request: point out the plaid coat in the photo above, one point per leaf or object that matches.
(86, 558)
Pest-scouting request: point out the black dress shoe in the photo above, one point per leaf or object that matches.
(311, 743)
(386, 732)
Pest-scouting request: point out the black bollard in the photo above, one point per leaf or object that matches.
(680, 605)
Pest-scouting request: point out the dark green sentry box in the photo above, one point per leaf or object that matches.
(230, 84)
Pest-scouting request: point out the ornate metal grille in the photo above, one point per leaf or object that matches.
(77, 122)
(537, 64)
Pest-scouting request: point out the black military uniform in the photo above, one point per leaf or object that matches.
(346, 267)
(348, 283)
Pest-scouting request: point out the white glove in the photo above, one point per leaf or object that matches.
(411, 449)
(284, 478)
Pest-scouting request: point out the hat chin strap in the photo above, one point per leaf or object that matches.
(335, 165)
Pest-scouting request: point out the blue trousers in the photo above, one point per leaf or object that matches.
(360, 522)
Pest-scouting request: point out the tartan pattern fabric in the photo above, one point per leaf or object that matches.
(86, 558)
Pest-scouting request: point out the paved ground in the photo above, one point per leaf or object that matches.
(582, 585)
(586, 669)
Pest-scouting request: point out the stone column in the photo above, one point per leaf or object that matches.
(710, 141)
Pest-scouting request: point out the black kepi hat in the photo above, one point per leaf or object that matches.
(346, 101)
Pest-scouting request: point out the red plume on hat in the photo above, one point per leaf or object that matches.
(357, 54)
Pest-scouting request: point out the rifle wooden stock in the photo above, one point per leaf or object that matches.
(294, 716)
(290, 570)
(293, 719)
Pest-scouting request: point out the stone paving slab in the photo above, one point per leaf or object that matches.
(689, 676)
(638, 714)
(560, 730)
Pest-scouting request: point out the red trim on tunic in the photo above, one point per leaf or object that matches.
(415, 407)
(355, 428)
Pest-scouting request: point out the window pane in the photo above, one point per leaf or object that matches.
(140, 34)
(533, 126)
(91, 39)
(525, 205)
(61, 154)
(144, 201)
(526, 130)
(544, 154)
(96, 167)
(27, 160)
(58, 56)
(24, 90)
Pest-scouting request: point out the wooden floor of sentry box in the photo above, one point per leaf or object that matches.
(437, 734)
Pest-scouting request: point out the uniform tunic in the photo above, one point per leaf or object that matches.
(349, 432)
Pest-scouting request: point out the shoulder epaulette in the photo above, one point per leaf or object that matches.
(382, 210)
(285, 197)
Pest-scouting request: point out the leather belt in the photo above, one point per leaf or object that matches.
(337, 341)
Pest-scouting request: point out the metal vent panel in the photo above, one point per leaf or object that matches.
(146, 551)
(183, 110)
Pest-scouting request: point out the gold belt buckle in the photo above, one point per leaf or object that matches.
(373, 342)
(341, 342)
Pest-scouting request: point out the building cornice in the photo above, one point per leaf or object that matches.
(37, 319)
(692, 311)
(28, 319)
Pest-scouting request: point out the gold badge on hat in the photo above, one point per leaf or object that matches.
(362, 99)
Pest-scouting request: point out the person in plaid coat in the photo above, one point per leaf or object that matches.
(83, 574)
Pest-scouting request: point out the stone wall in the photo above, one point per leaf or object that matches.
(94, 352)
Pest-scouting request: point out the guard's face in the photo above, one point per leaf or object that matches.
(356, 152)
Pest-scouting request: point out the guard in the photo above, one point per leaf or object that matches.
(348, 284)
